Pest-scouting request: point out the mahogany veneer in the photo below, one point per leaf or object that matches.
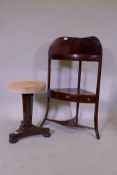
(80, 50)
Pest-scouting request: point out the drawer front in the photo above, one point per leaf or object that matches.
(73, 98)
(62, 96)
(87, 99)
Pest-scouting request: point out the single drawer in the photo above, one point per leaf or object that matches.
(62, 96)
(87, 99)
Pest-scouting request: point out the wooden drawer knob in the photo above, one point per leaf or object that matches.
(67, 97)
(88, 99)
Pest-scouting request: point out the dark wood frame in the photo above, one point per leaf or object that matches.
(27, 128)
(75, 49)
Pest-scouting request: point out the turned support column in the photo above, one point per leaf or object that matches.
(27, 128)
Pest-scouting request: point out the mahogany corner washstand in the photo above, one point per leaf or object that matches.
(27, 89)
(81, 50)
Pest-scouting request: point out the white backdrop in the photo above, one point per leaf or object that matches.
(27, 28)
